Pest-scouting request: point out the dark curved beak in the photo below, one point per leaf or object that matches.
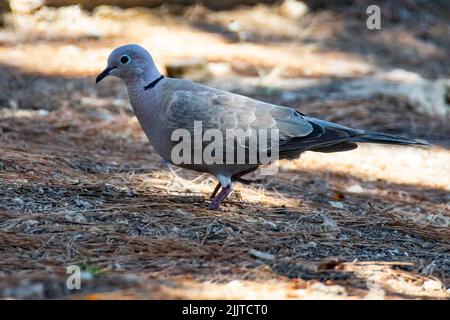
(104, 74)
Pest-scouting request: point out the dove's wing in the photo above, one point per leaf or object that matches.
(224, 111)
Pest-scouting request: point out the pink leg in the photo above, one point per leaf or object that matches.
(215, 204)
(215, 191)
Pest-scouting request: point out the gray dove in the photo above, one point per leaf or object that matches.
(164, 105)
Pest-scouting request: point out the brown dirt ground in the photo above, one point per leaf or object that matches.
(80, 184)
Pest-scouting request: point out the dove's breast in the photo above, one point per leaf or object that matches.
(147, 107)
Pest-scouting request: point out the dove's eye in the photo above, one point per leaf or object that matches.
(124, 59)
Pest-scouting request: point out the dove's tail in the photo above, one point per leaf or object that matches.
(332, 137)
(377, 137)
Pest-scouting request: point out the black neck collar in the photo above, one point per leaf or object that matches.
(153, 83)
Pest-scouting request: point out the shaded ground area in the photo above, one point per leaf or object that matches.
(80, 184)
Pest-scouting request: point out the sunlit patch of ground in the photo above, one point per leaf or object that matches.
(80, 184)
(392, 164)
(167, 39)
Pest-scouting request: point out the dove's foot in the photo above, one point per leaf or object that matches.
(217, 188)
(215, 204)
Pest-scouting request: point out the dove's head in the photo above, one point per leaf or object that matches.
(130, 63)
